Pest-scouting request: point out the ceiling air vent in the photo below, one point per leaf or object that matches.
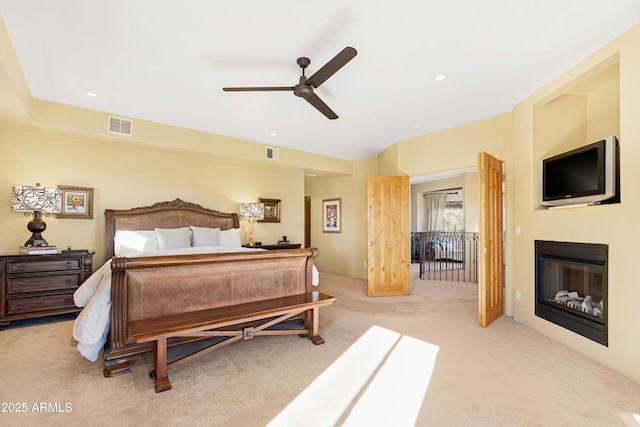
(273, 153)
(120, 126)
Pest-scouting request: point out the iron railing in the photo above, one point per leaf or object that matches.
(448, 255)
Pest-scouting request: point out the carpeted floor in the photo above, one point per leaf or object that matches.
(388, 361)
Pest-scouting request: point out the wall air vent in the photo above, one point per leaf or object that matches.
(120, 126)
(273, 153)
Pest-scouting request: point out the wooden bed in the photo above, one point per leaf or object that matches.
(174, 214)
(154, 287)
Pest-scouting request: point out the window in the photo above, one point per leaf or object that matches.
(453, 216)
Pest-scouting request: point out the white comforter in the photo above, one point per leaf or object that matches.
(91, 327)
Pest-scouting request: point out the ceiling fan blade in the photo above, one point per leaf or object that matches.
(254, 89)
(331, 67)
(314, 100)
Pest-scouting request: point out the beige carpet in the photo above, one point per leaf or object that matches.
(392, 361)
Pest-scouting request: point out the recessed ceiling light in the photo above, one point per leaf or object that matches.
(91, 94)
(273, 134)
(417, 126)
(440, 77)
(310, 175)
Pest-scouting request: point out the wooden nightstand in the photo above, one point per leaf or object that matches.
(276, 246)
(41, 285)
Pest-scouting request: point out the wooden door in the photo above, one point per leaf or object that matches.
(491, 265)
(388, 255)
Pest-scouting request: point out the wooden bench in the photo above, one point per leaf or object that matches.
(231, 323)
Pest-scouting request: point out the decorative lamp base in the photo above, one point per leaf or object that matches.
(36, 226)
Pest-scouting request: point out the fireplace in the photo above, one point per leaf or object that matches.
(571, 286)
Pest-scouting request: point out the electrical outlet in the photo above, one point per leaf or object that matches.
(365, 264)
(518, 295)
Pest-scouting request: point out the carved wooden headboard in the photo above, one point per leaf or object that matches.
(174, 214)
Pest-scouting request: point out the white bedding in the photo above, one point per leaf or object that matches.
(91, 327)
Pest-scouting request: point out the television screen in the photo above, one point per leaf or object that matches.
(586, 175)
(575, 174)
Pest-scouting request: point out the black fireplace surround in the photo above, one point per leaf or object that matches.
(571, 286)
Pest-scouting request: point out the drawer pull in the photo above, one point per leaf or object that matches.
(20, 285)
(67, 282)
(68, 264)
(22, 267)
(68, 300)
(20, 305)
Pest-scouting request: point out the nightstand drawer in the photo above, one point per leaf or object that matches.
(39, 303)
(33, 286)
(36, 265)
(20, 285)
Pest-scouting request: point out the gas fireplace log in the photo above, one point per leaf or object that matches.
(574, 301)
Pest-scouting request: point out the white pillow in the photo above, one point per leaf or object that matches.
(126, 242)
(173, 238)
(203, 236)
(230, 237)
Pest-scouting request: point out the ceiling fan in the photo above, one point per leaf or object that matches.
(304, 89)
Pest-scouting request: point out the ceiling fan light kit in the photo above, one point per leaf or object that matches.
(305, 87)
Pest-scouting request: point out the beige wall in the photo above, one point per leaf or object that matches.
(125, 176)
(597, 98)
(454, 148)
(343, 253)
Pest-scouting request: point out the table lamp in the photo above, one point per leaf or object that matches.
(36, 199)
(251, 212)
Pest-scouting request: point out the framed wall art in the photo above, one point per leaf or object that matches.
(77, 202)
(271, 210)
(332, 215)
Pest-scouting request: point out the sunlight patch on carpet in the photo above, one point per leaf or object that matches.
(395, 394)
(382, 376)
(630, 419)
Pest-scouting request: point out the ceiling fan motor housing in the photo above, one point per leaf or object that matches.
(302, 89)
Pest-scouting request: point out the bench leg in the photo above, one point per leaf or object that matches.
(160, 373)
(311, 319)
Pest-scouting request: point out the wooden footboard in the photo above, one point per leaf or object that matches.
(152, 287)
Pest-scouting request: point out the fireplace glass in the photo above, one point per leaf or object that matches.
(571, 287)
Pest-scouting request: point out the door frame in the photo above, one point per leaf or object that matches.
(449, 174)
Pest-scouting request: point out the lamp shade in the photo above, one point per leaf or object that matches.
(252, 211)
(36, 198)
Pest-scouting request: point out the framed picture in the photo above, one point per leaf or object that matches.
(77, 202)
(271, 210)
(332, 216)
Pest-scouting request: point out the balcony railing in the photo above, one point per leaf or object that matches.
(448, 255)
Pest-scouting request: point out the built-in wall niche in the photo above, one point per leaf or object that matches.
(585, 110)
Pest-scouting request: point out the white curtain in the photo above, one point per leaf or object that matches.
(433, 219)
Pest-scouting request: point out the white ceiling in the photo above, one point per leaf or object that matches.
(167, 61)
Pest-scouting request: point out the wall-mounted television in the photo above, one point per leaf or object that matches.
(585, 175)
